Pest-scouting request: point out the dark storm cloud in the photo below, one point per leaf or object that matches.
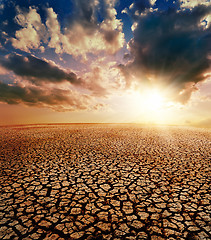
(14, 94)
(52, 98)
(41, 70)
(172, 44)
(91, 12)
(86, 9)
(85, 14)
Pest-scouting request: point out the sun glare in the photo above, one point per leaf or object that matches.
(153, 100)
(150, 106)
(149, 101)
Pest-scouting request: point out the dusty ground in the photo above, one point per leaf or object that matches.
(105, 182)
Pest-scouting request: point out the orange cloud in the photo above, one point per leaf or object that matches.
(53, 98)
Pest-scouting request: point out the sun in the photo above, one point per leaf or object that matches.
(152, 100)
(148, 105)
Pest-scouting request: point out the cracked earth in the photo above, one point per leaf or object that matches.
(105, 182)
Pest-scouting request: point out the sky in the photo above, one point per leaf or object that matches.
(132, 61)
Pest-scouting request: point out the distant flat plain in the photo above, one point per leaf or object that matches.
(105, 181)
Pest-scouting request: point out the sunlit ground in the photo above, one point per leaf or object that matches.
(104, 181)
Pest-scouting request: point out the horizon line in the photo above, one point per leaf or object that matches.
(96, 123)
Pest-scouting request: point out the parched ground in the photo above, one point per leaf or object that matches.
(105, 182)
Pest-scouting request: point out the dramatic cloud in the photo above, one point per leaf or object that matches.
(102, 80)
(37, 70)
(33, 32)
(170, 48)
(137, 7)
(99, 81)
(94, 81)
(82, 34)
(193, 3)
(41, 42)
(56, 99)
